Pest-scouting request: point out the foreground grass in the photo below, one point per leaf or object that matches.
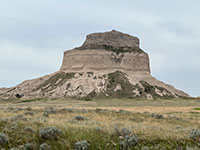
(157, 124)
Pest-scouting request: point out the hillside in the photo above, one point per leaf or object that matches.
(109, 64)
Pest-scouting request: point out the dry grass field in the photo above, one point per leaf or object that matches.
(105, 124)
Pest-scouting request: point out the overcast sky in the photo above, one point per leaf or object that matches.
(35, 33)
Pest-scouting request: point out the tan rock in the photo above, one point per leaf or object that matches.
(113, 39)
(149, 96)
(102, 61)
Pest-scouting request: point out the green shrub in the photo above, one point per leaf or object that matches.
(119, 78)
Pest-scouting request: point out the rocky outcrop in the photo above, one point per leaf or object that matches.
(103, 61)
(113, 40)
(105, 53)
(109, 64)
(2, 89)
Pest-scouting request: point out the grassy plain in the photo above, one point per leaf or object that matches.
(158, 124)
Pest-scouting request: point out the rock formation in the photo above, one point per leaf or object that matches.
(105, 53)
(109, 64)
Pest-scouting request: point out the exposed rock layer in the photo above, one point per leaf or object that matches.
(109, 64)
(105, 53)
(110, 40)
(104, 61)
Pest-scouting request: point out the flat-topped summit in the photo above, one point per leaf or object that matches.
(107, 52)
(113, 40)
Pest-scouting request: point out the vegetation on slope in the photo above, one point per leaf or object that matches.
(56, 80)
(126, 90)
(149, 89)
(119, 78)
(111, 48)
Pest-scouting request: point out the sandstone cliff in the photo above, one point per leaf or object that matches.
(109, 64)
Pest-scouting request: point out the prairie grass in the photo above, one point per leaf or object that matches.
(171, 131)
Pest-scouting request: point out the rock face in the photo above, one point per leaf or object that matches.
(109, 64)
(104, 61)
(111, 40)
(106, 53)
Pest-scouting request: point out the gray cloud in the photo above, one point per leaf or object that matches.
(34, 34)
